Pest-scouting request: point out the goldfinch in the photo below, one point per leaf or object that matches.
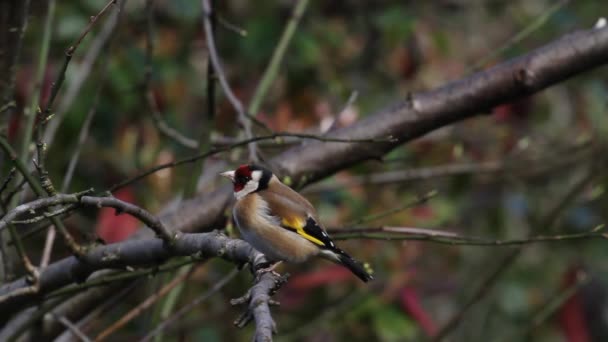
(280, 223)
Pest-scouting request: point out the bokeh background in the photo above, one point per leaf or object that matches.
(528, 168)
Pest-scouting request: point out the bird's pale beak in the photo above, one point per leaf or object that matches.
(228, 174)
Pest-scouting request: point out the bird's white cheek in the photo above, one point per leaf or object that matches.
(250, 187)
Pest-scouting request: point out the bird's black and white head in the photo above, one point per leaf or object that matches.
(247, 179)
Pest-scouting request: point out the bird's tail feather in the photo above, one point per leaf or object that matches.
(353, 265)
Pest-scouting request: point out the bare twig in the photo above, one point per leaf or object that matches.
(119, 276)
(217, 66)
(18, 188)
(7, 180)
(122, 289)
(132, 253)
(82, 137)
(81, 73)
(449, 238)
(216, 150)
(39, 191)
(143, 306)
(80, 198)
(521, 35)
(46, 215)
(71, 327)
(15, 29)
(69, 53)
(230, 26)
(270, 74)
(48, 247)
(90, 57)
(547, 220)
(418, 201)
(479, 293)
(351, 100)
(512, 167)
(34, 109)
(554, 303)
(161, 124)
(191, 305)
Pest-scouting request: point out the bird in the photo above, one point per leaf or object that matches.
(280, 223)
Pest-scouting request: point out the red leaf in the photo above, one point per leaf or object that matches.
(327, 275)
(571, 316)
(410, 302)
(112, 227)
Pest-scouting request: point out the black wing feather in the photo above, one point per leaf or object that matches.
(313, 229)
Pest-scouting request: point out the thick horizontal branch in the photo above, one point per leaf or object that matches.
(421, 113)
(132, 253)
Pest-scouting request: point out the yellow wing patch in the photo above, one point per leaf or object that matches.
(298, 225)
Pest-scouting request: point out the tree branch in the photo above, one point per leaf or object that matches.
(131, 253)
(420, 114)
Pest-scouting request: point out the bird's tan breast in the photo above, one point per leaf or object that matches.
(263, 231)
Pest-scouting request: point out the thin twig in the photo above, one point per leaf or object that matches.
(513, 167)
(407, 175)
(216, 150)
(18, 188)
(46, 215)
(80, 198)
(7, 180)
(553, 304)
(80, 74)
(160, 123)
(41, 203)
(479, 293)
(48, 247)
(548, 220)
(34, 109)
(69, 53)
(144, 216)
(26, 138)
(82, 137)
(143, 306)
(99, 310)
(39, 191)
(120, 276)
(90, 57)
(416, 202)
(449, 238)
(71, 327)
(271, 72)
(219, 71)
(349, 103)
(230, 26)
(19, 24)
(521, 35)
(35, 316)
(194, 303)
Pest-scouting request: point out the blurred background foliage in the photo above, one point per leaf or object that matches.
(518, 163)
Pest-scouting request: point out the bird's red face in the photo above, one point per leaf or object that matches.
(242, 175)
(247, 179)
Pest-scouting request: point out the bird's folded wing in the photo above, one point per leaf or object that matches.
(297, 219)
